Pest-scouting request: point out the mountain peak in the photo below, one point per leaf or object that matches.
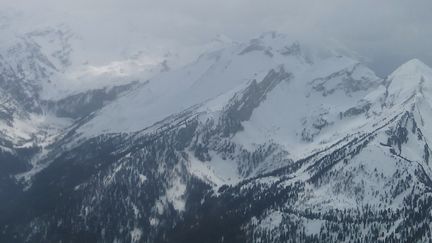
(410, 78)
(412, 67)
(415, 62)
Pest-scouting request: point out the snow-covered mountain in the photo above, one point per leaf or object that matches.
(270, 140)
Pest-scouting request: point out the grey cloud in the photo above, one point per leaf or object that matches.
(387, 32)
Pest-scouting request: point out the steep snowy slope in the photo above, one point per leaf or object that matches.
(217, 75)
(317, 96)
(45, 73)
(372, 185)
(41, 97)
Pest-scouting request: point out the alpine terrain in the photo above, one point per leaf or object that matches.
(270, 140)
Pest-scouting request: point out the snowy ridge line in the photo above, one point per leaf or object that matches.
(425, 178)
(356, 142)
(348, 70)
(301, 162)
(167, 123)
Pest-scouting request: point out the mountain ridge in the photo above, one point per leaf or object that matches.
(262, 141)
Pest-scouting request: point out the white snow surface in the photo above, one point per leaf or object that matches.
(217, 73)
(216, 172)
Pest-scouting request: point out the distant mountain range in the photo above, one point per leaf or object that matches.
(270, 140)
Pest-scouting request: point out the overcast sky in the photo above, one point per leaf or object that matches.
(386, 32)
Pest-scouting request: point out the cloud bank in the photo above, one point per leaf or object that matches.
(386, 32)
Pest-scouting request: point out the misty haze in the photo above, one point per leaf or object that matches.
(215, 121)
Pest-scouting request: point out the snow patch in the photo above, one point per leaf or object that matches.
(136, 235)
